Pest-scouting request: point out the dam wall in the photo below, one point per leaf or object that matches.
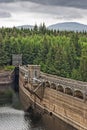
(6, 79)
(69, 108)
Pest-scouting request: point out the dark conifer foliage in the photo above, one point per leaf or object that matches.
(61, 53)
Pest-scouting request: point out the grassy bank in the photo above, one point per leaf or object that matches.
(7, 68)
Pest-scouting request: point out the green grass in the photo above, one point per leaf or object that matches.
(7, 68)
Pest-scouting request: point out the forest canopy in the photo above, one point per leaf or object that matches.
(61, 53)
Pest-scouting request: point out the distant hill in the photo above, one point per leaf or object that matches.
(69, 26)
(25, 27)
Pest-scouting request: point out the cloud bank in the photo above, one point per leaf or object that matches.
(19, 12)
(67, 3)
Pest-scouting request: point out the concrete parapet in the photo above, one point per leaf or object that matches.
(64, 98)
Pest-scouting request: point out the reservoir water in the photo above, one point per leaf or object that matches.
(12, 117)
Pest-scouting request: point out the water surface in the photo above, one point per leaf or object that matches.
(12, 117)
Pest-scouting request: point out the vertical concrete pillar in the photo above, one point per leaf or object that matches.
(34, 72)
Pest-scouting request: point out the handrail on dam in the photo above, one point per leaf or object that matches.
(67, 86)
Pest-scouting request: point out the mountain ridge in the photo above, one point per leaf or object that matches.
(25, 27)
(64, 26)
(69, 26)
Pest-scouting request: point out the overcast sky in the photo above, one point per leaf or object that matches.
(31, 12)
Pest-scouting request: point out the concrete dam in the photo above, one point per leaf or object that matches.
(57, 96)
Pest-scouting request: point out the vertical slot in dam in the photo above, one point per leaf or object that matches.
(16, 79)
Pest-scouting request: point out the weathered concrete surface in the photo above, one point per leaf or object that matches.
(70, 109)
(6, 79)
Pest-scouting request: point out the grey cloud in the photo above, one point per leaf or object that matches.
(58, 12)
(68, 17)
(67, 3)
(4, 14)
(36, 11)
(4, 1)
(66, 13)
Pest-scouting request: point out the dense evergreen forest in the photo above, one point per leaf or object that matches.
(58, 52)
